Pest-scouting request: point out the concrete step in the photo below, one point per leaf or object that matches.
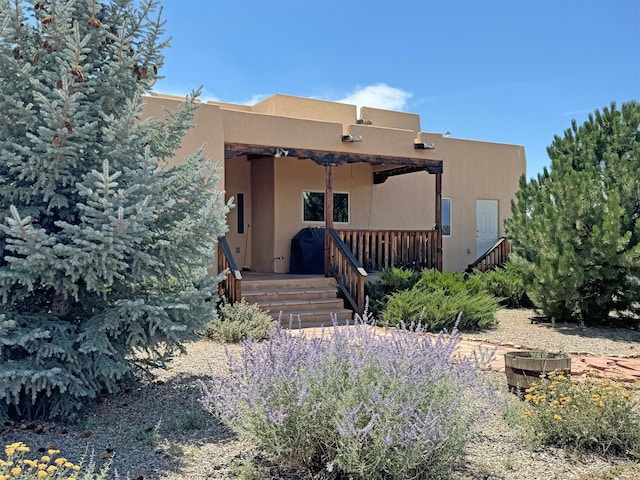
(303, 304)
(279, 295)
(315, 318)
(294, 282)
(297, 300)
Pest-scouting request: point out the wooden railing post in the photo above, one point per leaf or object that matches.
(438, 258)
(233, 287)
(493, 258)
(380, 249)
(328, 216)
(347, 271)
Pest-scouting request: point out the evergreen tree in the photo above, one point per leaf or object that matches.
(104, 248)
(576, 229)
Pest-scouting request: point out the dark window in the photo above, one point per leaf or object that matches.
(313, 207)
(240, 212)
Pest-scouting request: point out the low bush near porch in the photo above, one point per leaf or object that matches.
(236, 322)
(435, 310)
(506, 283)
(359, 401)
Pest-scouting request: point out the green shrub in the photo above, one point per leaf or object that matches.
(396, 278)
(506, 283)
(449, 282)
(591, 415)
(376, 292)
(436, 310)
(238, 321)
(393, 279)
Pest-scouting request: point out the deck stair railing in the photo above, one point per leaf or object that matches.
(352, 254)
(347, 271)
(493, 258)
(231, 287)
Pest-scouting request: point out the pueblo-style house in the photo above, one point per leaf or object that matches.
(398, 196)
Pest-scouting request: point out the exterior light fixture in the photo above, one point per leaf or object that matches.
(351, 138)
(362, 121)
(424, 146)
(281, 152)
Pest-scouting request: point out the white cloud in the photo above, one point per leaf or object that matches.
(256, 98)
(379, 95)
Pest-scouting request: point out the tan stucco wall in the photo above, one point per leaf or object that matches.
(307, 108)
(404, 202)
(292, 177)
(391, 119)
(473, 171)
(238, 180)
(209, 134)
(384, 206)
(273, 186)
(263, 228)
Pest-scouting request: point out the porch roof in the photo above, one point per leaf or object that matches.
(335, 158)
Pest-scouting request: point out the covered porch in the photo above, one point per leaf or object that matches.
(349, 253)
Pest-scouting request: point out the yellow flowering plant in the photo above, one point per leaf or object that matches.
(588, 414)
(20, 464)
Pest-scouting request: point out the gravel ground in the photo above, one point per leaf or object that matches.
(524, 328)
(159, 432)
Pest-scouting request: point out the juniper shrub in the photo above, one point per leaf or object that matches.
(438, 309)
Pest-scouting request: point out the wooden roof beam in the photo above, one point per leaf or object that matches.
(381, 176)
(326, 158)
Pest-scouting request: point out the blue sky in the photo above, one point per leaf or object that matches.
(500, 71)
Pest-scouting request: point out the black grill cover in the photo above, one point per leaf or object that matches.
(307, 251)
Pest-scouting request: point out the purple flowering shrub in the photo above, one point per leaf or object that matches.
(360, 401)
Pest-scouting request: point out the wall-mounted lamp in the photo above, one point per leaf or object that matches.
(351, 138)
(424, 146)
(362, 121)
(281, 152)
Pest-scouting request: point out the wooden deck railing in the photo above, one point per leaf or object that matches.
(379, 249)
(348, 271)
(231, 287)
(493, 258)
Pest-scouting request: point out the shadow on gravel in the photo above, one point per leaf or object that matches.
(145, 432)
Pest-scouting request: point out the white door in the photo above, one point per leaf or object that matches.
(486, 225)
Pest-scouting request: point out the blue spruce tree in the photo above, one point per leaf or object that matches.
(104, 248)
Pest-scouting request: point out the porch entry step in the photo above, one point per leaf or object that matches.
(282, 282)
(297, 300)
(257, 296)
(302, 304)
(316, 318)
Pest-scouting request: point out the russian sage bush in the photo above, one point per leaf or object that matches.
(359, 401)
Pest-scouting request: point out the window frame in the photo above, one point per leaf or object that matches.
(449, 234)
(321, 192)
